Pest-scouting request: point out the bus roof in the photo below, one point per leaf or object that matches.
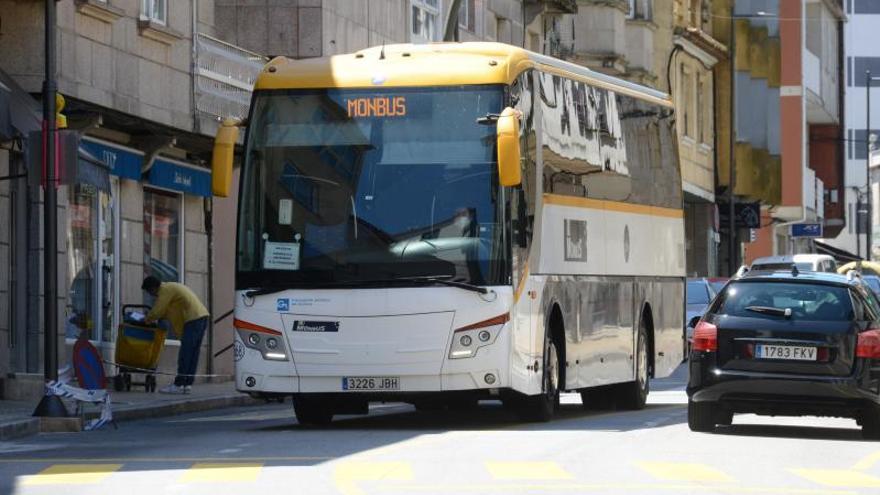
(434, 64)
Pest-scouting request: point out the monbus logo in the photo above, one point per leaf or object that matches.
(377, 106)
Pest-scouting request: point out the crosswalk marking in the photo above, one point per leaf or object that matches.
(222, 472)
(347, 474)
(525, 470)
(69, 474)
(841, 478)
(683, 471)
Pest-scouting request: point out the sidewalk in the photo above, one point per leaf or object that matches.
(16, 420)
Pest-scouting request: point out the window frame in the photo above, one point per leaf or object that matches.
(148, 11)
(425, 9)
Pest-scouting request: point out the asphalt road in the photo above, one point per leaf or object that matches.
(396, 451)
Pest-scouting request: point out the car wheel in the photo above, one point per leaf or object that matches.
(871, 424)
(542, 407)
(701, 416)
(310, 412)
(633, 395)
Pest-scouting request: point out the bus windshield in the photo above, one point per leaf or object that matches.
(342, 186)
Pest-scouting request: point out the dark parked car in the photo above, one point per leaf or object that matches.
(699, 295)
(784, 343)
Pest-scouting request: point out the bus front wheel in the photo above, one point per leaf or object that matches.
(311, 412)
(542, 407)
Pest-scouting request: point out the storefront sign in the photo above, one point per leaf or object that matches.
(122, 161)
(180, 177)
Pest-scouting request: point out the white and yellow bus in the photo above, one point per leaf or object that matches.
(444, 223)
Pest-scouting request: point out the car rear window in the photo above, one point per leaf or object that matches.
(770, 300)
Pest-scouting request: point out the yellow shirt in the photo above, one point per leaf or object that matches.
(178, 304)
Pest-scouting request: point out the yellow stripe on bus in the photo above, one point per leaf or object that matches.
(601, 204)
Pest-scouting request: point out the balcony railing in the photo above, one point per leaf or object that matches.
(225, 77)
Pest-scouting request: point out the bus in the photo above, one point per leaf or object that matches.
(445, 223)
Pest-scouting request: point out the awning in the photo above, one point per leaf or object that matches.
(180, 176)
(19, 112)
(91, 170)
(122, 161)
(841, 255)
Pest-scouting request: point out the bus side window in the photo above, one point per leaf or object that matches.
(524, 213)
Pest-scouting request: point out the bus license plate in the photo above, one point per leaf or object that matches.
(791, 352)
(371, 383)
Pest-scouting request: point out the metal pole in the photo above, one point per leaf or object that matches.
(869, 205)
(50, 405)
(731, 198)
(50, 226)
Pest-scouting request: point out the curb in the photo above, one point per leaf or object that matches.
(19, 428)
(30, 426)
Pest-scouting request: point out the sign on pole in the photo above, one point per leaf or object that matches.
(806, 230)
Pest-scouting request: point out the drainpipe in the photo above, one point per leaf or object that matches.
(209, 228)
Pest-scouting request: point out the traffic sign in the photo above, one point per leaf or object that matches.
(806, 230)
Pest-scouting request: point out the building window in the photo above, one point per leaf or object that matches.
(163, 231)
(684, 101)
(639, 9)
(155, 11)
(466, 14)
(425, 20)
(701, 112)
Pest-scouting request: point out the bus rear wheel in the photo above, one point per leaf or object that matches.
(542, 407)
(311, 412)
(633, 395)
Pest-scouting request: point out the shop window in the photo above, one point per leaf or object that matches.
(426, 20)
(90, 264)
(163, 230)
(155, 10)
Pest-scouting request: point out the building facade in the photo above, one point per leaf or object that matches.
(144, 84)
(786, 75)
(862, 54)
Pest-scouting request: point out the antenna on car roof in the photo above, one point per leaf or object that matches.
(794, 270)
(382, 52)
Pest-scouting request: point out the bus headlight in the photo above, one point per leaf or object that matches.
(263, 339)
(468, 340)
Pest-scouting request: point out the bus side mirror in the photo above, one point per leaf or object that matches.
(507, 132)
(221, 160)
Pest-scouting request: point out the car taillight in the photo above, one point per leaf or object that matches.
(705, 337)
(868, 345)
(823, 354)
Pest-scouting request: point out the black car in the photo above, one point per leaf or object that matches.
(789, 344)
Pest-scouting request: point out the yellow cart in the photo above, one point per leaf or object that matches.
(138, 347)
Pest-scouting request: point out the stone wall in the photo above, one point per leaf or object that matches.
(291, 28)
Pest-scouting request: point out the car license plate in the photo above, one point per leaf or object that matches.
(371, 383)
(791, 352)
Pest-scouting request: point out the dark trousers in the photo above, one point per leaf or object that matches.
(190, 345)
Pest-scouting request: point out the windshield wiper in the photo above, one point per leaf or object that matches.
(770, 310)
(262, 291)
(451, 283)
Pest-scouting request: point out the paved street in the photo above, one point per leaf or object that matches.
(396, 450)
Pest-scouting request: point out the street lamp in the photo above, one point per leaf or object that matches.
(870, 146)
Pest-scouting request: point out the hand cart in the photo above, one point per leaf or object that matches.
(138, 347)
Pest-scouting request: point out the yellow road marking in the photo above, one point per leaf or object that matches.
(683, 471)
(347, 474)
(867, 461)
(842, 478)
(69, 474)
(605, 488)
(221, 472)
(525, 470)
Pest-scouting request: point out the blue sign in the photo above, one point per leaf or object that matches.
(179, 177)
(282, 305)
(806, 230)
(122, 162)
